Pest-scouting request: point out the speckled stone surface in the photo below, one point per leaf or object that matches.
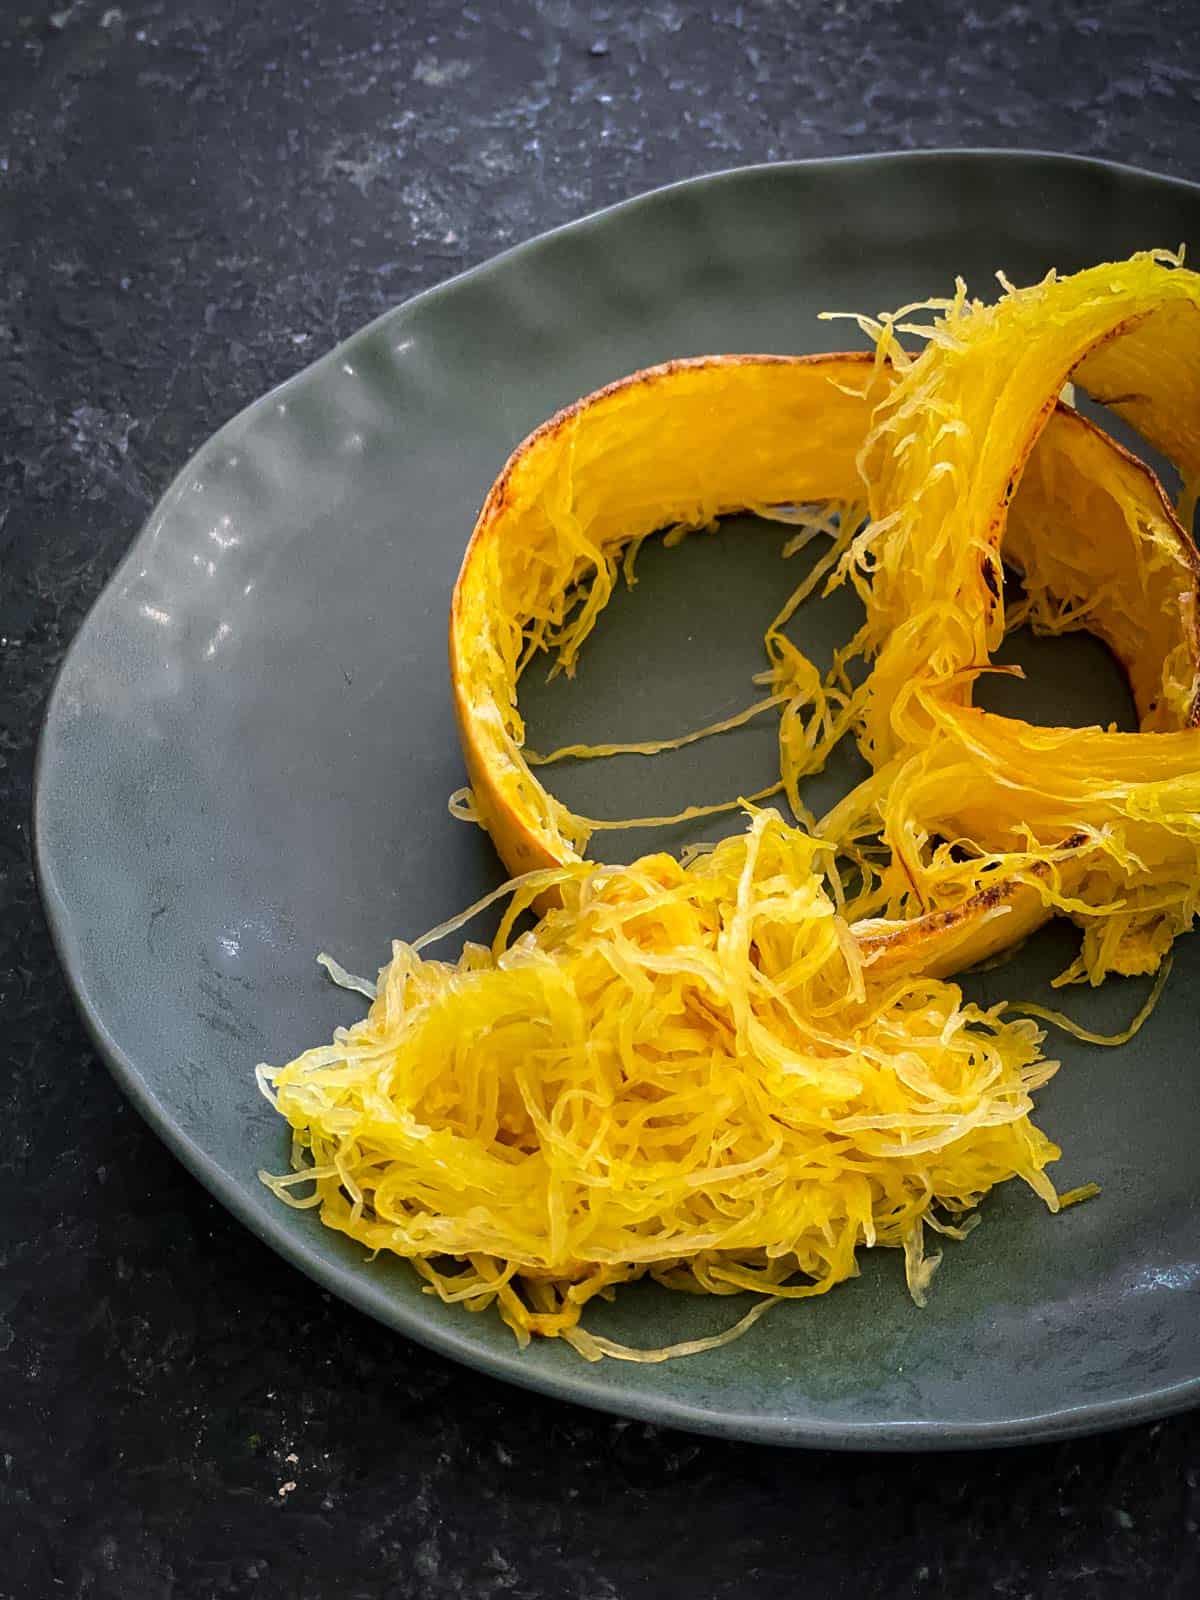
(194, 201)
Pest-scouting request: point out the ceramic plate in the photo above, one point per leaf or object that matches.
(248, 752)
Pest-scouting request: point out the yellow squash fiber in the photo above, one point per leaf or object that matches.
(679, 1072)
(957, 792)
(732, 1073)
(950, 440)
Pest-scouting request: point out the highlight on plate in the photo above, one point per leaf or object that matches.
(733, 1071)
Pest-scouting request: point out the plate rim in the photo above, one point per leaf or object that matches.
(362, 1292)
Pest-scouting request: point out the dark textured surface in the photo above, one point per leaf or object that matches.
(194, 200)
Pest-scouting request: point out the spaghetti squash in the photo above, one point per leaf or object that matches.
(729, 1073)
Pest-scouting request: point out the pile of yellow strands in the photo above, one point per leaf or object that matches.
(680, 1072)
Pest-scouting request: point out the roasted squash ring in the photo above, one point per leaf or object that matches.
(945, 455)
(691, 440)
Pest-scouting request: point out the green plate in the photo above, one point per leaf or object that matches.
(248, 751)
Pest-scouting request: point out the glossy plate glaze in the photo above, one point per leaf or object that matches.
(247, 756)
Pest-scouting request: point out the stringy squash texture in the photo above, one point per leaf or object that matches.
(733, 1071)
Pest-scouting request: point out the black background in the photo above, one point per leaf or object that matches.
(195, 200)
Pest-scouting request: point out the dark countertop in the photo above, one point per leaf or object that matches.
(196, 199)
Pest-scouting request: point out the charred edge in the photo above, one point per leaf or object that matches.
(982, 900)
(988, 568)
(934, 922)
(500, 493)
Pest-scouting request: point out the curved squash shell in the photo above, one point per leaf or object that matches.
(690, 440)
